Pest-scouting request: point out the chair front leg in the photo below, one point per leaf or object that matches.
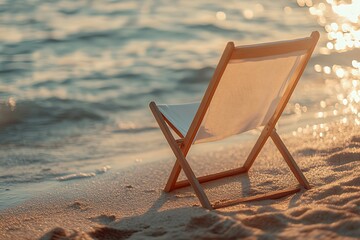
(265, 133)
(174, 175)
(199, 191)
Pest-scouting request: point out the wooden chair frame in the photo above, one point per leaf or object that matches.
(182, 146)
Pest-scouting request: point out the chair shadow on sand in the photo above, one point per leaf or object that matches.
(253, 219)
(258, 218)
(195, 222)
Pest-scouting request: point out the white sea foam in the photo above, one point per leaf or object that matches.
(76, 176)
(80, 175)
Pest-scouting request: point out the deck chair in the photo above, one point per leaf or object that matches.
(250, 88)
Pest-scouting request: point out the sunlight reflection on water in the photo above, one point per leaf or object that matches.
(342, 28)
(341, 23)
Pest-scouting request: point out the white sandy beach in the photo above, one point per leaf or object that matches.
(129, 203)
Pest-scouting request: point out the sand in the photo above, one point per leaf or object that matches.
(129, 203)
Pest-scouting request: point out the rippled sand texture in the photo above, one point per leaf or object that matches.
(130, 204)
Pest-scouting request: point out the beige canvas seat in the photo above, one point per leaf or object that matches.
(250, 88)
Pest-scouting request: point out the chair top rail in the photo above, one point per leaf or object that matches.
(271, 49)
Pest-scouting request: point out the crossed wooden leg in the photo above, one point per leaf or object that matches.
(181, 163)
(265, 134)
(199, 191)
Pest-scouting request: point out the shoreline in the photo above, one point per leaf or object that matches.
(19, 192)
(130, 202)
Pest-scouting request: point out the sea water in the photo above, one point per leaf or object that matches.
(76, 77)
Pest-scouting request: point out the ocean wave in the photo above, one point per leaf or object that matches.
(20, 159)
(12, 70)
(91, 35)
(47, 111)
(135, 129)
(215, 28)
(195, 76)
(148, 32)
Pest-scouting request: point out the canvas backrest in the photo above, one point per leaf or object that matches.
(249, 91)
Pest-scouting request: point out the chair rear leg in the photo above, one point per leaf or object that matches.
(289, 160)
